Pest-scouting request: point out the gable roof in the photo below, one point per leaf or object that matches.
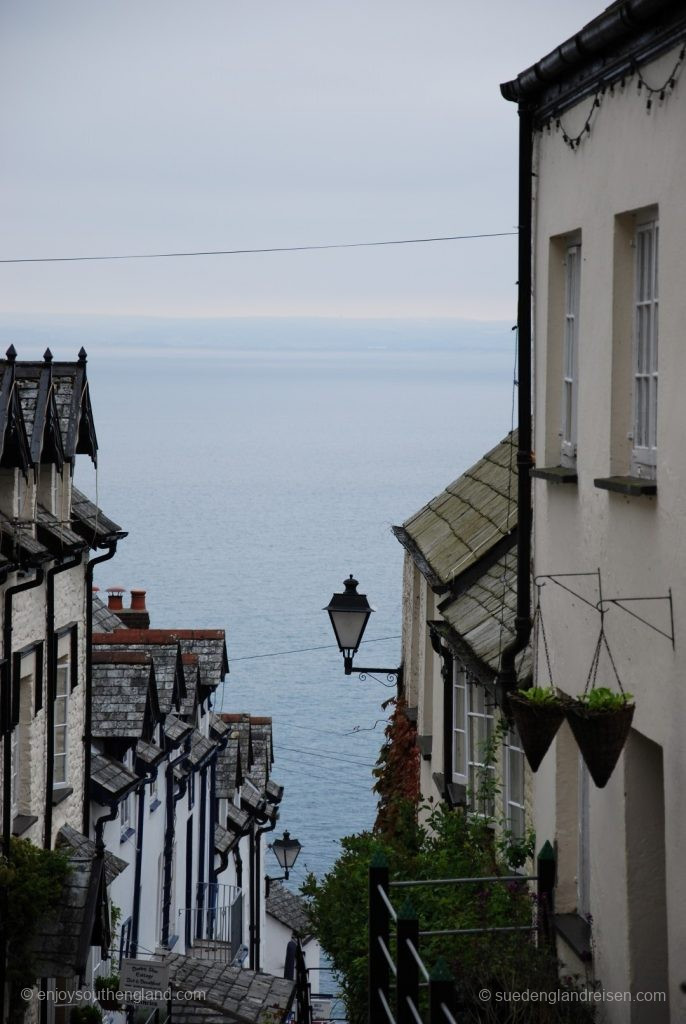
(480, 621)
(289, 908)
(110, 780)
(229, 993)
(91, 523)
(163, 652)
(125, 701)
(104, 620)
(457, 527)
(69, 839)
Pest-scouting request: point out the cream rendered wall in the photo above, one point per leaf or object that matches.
(630, 161)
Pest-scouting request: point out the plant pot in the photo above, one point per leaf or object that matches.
(109, 1003)
(601, 736)
(536, 725)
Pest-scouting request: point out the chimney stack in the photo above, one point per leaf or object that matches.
(137, 615)
(115, 596)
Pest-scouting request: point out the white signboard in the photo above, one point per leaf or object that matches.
(147, 981)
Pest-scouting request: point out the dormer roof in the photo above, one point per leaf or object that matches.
(125, 704)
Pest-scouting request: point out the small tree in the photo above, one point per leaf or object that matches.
(31, 887)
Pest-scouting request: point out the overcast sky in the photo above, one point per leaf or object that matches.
(160, 125)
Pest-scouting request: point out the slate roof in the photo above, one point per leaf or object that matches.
(148, 753)
(228, 776)
(18, 544)
(164, 654)
(63, 939)
(109, 778)
(454, 530)
(210, 646)
(56, 535)
(240, 728)
(231, 993)
(104, 620)
(218, 727)
(69, 839)
(201, 748)
(273, 791)
(236, 818)
(289, 908)
(223, 840)
(124, 695)
(483, 619)
(191, 673)
(91, 522)
(175, 729)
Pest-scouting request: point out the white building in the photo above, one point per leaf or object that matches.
(608, 109)
(458, 612)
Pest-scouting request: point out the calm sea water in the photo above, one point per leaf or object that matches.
(251, 484)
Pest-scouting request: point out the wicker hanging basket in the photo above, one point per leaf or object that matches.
(601, 736)
(536, 724)
(601, 732)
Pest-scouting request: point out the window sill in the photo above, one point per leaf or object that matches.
(22, 823)
(154, 804)
(425, 744)
(126, 834)
(576, 932)
(60, 794)
(555, 474)
(633, 486)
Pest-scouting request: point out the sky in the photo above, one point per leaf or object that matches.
(133, 126)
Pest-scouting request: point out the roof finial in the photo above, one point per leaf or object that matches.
(11, 354)
(83, 355)
(47, 356)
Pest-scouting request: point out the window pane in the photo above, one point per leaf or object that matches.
(62, 683)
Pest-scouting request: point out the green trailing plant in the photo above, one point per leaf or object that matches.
(31, 885)
(602, 698)
(540, 695)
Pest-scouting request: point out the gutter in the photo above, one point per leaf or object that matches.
(257, 879)
(606, 32)
(507, 677)
(51, 686)
(88, 719)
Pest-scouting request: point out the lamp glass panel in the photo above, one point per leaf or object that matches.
(349, 628)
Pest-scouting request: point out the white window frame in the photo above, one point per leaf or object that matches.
(514, 799)
(15, 744)
(468, 698)
(62, 677)
(126, 804)
(570, 355)
(645, 350)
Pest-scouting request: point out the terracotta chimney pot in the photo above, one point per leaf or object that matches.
(114, 598)
(138, 600)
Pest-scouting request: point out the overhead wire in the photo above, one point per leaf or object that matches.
(304, 650)
(245, 252)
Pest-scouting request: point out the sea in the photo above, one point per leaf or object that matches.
(255, 464)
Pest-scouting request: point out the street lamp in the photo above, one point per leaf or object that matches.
(286, 851)
(349, 613)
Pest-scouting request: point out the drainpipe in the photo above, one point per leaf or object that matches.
(447, 673)
(171, 799)
(238, 861)
(50, 694)
(88, 720)
(507, 676)
(202, 850)
(258, 887)
(11, 703)
(100, 829)
(136, 912)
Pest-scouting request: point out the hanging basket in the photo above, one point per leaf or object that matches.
(537, 724)
(601, 736)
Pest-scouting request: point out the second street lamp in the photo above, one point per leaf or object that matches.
(286, 851)
(349, 613)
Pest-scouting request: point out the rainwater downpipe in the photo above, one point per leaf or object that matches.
(150, 777)
(88, 718)
(507, 676)
(447, 673)
(50, 694)
(171, 799)
(258, 887)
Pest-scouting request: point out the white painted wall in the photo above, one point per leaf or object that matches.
(631, 160)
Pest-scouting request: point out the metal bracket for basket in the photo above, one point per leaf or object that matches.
(618, 602)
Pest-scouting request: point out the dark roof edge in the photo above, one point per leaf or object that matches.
(419, 559)
(614, 26)
(483, 672)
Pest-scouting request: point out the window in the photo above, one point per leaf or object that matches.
(514, 784)
(24, 668)
(124, 941)
(644, 451)
(62, 689)
(15, 749)
(570, 354)
(472, 729)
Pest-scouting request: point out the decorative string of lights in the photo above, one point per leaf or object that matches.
(659, 91)
(668, 85)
